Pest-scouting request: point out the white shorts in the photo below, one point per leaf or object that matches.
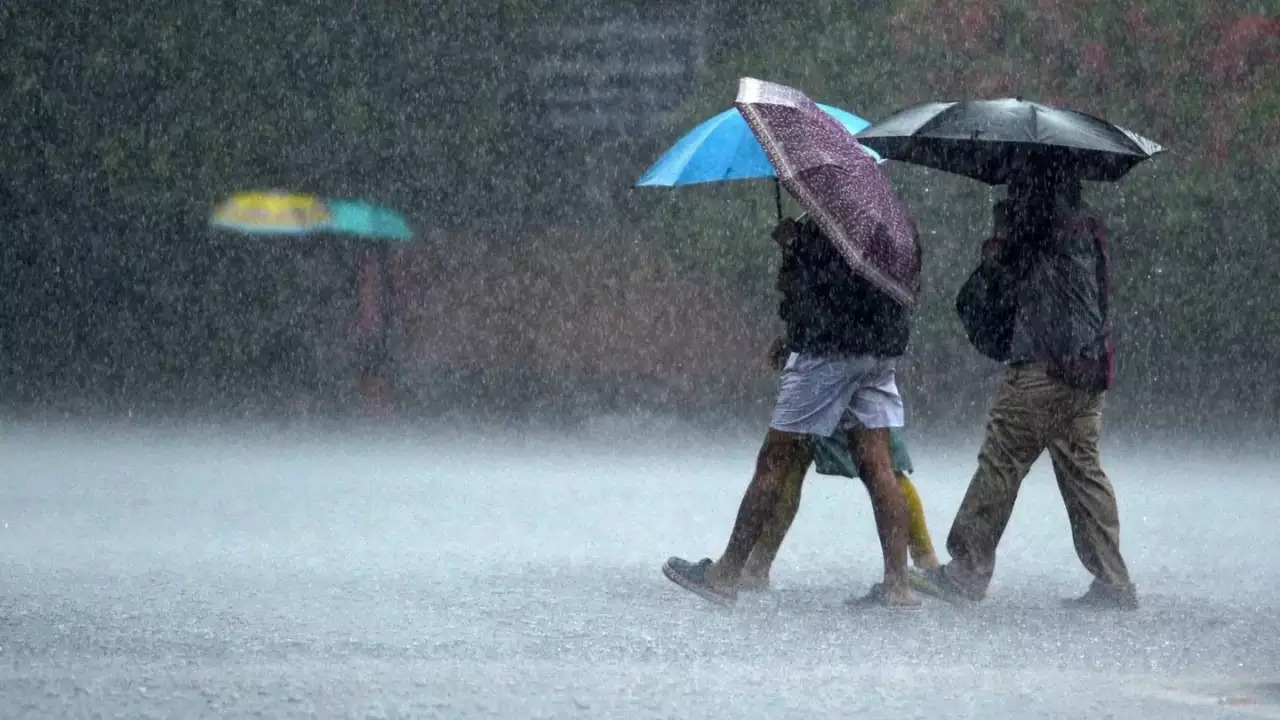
(823, 395)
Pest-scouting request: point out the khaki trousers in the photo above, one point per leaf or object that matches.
(1032, 412)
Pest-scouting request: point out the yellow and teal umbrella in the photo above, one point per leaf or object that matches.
(279, 213)
(294, 214)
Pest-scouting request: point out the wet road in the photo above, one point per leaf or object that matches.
(180, 574)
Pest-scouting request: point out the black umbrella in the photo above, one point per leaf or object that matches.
(984, 139)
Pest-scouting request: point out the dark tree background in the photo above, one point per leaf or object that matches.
(509, 133)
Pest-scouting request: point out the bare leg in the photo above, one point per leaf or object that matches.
(889, 507)
(755, 575)
(760, 502)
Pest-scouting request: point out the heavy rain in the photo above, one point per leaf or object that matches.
(346, 369)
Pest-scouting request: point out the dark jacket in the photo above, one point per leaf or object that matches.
(830, 310)
(1046, 300)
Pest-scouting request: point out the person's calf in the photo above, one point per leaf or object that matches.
(755, 574)
(887, 503)
(890, 525)
(758, 507)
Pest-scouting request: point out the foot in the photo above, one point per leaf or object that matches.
(900, 599)
(1106, 597)
(697, 579)
(936, 583)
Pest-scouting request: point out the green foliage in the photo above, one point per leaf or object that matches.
(155, 111)
(1191, 229)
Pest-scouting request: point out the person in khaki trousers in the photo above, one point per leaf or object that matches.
(1053, 259)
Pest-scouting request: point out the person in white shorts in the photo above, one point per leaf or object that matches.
(845, 336)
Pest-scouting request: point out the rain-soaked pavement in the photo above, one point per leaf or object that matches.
(180, 574)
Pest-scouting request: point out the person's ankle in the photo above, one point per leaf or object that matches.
(897, 579)
(927, 562)
(720, 578)
(754, 571)
(898, 590)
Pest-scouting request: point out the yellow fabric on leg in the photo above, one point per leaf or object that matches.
(918, 539)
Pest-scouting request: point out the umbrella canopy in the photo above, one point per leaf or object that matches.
(359, 218)
(824, 167)
(277, 213)
(985, 139)
(272, 213)
(724, 148)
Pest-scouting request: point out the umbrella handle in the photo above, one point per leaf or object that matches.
(777, 196)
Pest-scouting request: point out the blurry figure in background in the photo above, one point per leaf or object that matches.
(311, 291)
(1038, 302)
(342, 223)
(372, 329)
(845, 337)
(831, 456)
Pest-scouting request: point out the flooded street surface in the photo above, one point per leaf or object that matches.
(188, 574)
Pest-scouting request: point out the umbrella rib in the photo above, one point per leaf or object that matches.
(710, 129)
(744, 139)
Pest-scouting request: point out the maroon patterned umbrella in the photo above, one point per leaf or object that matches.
(820, 163)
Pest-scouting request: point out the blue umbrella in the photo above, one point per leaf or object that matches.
(723, 148)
